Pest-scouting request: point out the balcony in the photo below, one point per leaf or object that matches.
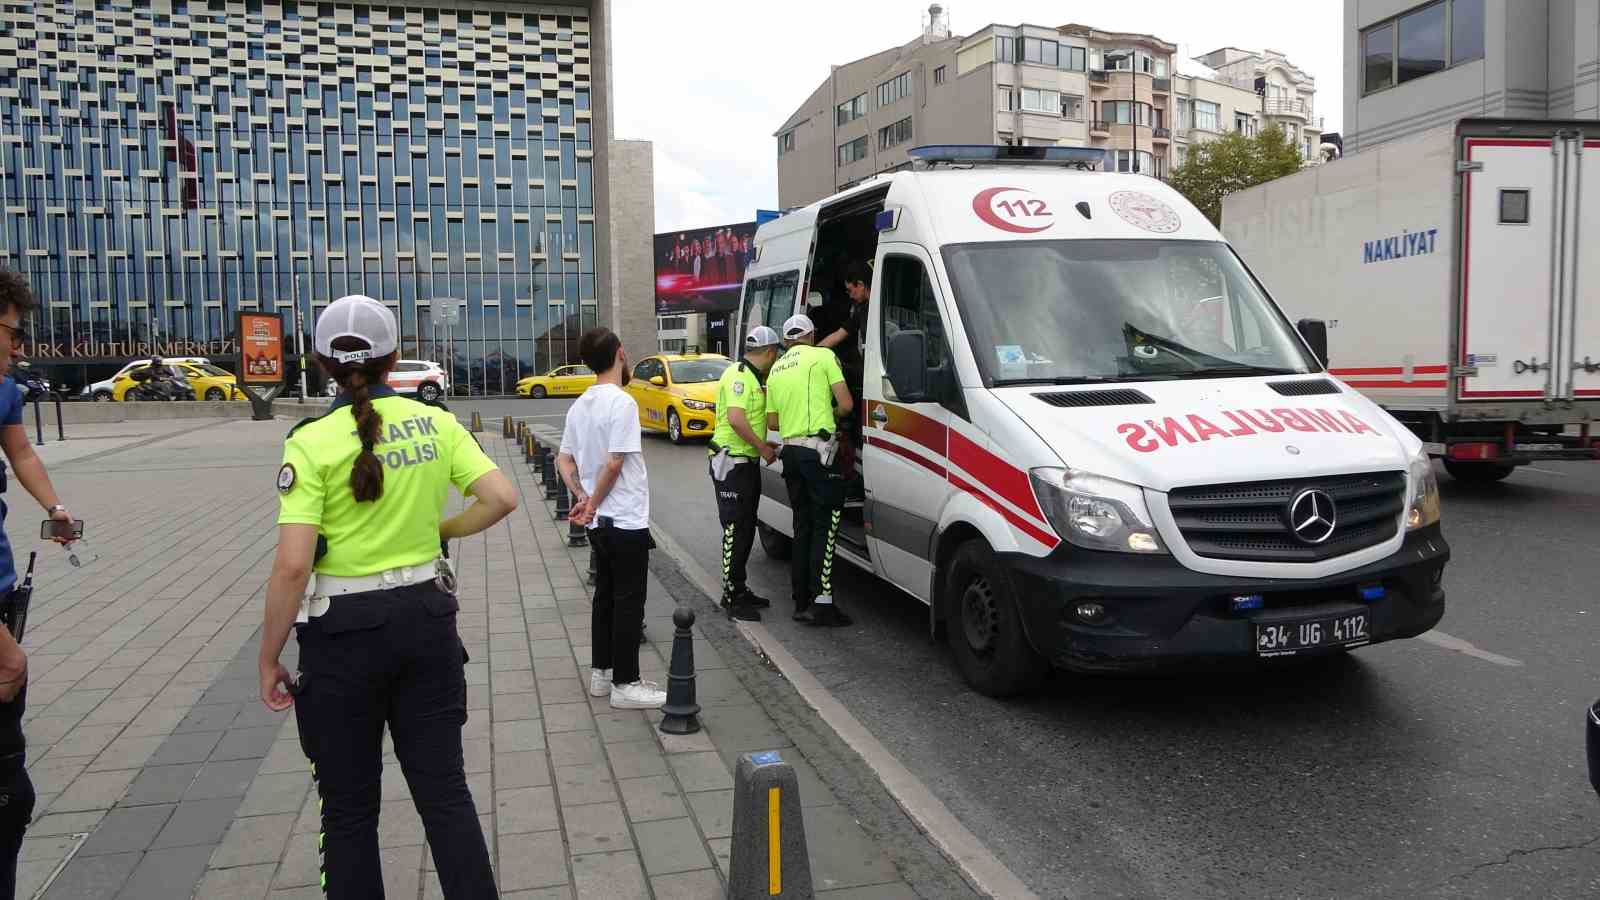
(1161, 134)
(1298, 109)
(1100, 77)
(1099, 129)
(1161, 85)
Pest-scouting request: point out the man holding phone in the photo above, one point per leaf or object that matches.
(16, 791)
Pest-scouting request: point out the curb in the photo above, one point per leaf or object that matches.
(977, 864)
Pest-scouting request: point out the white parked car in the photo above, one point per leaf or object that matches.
(417, 376)
(100, 391)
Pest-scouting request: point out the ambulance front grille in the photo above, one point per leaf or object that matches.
(1249, 521)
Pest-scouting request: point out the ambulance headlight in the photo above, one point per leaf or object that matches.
(1423, 510)
(1095, 512)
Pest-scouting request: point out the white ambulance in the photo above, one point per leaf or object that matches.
(1090, 439)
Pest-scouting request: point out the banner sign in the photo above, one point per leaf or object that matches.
(702, 271)
(119, 350)
(260, 348)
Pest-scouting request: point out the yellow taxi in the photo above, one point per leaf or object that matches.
(677, 393)
(566, 381)
(209, 382)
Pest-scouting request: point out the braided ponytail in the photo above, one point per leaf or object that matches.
(356, 379)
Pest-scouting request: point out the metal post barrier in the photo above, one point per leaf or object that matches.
(563, 500)
(549, 472)
(61, 426)
(577, 535)
(38, 423)
(592, 567)
(477, 421)
(680, 714)
(505, 427)
(769, 857)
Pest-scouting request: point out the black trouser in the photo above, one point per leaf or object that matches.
(389, 658)
(622, 560)
(16, 810)
(738, 495)
(816, 494)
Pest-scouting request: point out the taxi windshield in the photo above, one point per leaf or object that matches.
(1087, 311)
(691, 371)
(211, 370)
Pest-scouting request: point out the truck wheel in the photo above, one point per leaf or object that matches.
(1477, 472)
(985, 625)
(774, 543)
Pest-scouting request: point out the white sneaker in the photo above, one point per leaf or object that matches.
(639, 695)
(599, 682)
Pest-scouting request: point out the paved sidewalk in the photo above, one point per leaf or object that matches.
(161, 776)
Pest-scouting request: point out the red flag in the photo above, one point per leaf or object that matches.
(184, 156)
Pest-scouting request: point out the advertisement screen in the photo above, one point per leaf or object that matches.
(701, 271)
(260, 348)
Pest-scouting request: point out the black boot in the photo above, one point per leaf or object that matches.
(738, 609)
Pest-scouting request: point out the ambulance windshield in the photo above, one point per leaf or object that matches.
(1084, 311)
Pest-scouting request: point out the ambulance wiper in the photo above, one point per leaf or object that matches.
(1239, 371)
(1082, 379)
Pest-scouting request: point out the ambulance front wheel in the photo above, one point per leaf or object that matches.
(985, 625)
(774, 543)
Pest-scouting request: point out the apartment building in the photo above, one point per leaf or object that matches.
(1029, 85)
(1411, 66)
(1287, 92)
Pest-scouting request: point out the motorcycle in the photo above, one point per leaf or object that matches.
(153, 385)
(34, 385)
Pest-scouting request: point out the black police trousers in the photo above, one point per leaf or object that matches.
(816, 495)
(389, 658)
(16, 810)
(738, 495)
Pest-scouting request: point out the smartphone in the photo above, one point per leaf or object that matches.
(50, 530)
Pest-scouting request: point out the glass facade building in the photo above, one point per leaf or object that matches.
(164, 165)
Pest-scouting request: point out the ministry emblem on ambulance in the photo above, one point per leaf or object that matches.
(1144, 211)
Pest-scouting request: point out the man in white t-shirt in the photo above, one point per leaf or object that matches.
(602, 463)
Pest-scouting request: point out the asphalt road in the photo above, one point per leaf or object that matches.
(1407, 769)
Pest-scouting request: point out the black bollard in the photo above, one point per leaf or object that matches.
(505, 427)
(551, 476)
(61, 426)
(577, 535)
(681, 713)
(591, 565)
(563, 500)
(38, 424)
(527, 449)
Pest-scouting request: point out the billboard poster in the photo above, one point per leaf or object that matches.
(702, 270)
(260, 348)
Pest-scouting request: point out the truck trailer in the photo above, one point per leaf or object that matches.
(1458, 273)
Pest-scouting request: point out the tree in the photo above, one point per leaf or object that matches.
(1231, 163)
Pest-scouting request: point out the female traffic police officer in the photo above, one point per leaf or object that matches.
(362, 491)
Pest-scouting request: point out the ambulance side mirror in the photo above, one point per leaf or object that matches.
(1594, 746)
(907, 364)
(1315, 331)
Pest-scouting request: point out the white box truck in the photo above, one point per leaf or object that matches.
(1458, 272)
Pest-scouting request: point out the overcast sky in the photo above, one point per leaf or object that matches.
(709, 82)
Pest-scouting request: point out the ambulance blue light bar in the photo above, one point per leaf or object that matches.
(1075, 157)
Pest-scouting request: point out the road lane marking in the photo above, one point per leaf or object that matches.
(982, 869)
(1451, 642)
(1549, 472)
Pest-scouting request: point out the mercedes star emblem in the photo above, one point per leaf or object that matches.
(1312, 516)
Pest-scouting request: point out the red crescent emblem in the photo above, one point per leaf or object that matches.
(983, 205)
